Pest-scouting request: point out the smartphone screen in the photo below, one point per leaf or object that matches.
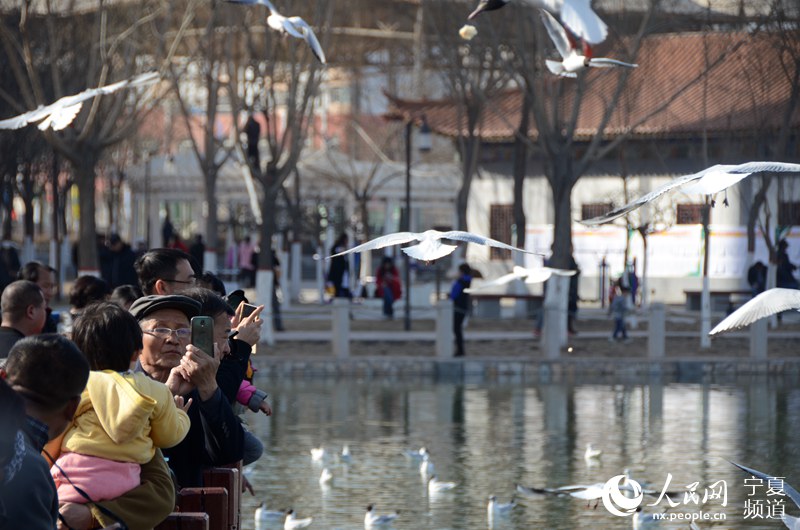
(203, 334)
(248, 309)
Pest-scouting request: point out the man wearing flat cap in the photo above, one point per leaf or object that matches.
(215, 436)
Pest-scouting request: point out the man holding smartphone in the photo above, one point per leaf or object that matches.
(215, 436)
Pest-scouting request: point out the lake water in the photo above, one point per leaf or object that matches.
(488, 437)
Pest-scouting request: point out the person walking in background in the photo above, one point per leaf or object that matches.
(572, 299)
(785, 273)
(116, 262)
(246, 270)
(197, 251)
(388, 286)
(619, 309)
(461, 305)
(339, 271)
(757, 277)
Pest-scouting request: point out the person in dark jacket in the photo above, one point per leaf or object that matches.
(49, 373)
(461, 305)
(116, 263)
(23, 314)
(215, 436)
(339, 271)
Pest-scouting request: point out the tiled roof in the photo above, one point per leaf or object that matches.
(749, 89)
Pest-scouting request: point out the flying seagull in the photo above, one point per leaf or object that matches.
(294, 26)
(59, 115)
(762, 305)
(535, 275)
(430, 245)
(577, 15)
(572, 60)
(707, 182)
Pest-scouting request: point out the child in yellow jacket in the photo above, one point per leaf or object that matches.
(122, 417)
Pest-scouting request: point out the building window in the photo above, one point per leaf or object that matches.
(789, 213)
(501, 218)
(691, 214)
(595, 209)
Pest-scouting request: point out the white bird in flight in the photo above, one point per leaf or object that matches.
(430, 245)
(762, 305)
(60, 114)
(372, 519)
(577, 15)
(534, 275)
(292, 522)
(294, 26)
(572, 60)
(707, 182)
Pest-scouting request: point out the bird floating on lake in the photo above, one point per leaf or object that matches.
(346, 456)
(416, 454)
(436, 486)
(294, 26)
(577, 15)
(534, 275)
(264, 516)
(61, 113)
(499, 508)
(326, 477)
(572, 60)
(591, 452)
(317, 453)
(292, 522)
(707, 182)
(430, 245)
(762, 305)
(371, 519)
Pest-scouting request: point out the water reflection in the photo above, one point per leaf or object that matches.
(488, 437)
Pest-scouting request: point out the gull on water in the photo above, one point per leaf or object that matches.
(499, 508)
(371, 519)
(762, 305)
(426, 467)
(591, 452)
(416, 454)
(430, 246)
(264, 516)
(326, 477)
(294, 26)
(790, 521)
(61, 113)
(706, 182)
(317, 453)
(293, 522)
(435, 486)
(645, 521)
(572, 60)
(346, 456)
(577, 15)
(532, 275)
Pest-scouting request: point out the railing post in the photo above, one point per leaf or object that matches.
(656, 337)
(444, 329)
(340, 322)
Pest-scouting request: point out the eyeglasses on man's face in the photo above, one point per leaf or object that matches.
(165, 333)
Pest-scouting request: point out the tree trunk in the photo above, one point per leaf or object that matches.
(520, 168)
(561, 183)
(212, 219)
(87, 246)
(468, 163)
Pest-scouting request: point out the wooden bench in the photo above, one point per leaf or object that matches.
(487, 305)
(722, 301)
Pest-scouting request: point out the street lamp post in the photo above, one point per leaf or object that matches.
(424, 141)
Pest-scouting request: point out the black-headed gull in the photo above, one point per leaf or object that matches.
(533, 275)
(60, 114)
(577, 15)
(317, 453)
(371, 519)
(762, 305)
(346, 456)
(436, 486)
(430, 245)
(499, 508)
(789, 520)
(591, 452)
(265, 516)
(416, 454)
(572, 60)
(292, 522)
(326, 477)
(294, 26)
(707, 182)
(645, 521)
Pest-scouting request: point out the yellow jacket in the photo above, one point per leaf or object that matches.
(133, 416)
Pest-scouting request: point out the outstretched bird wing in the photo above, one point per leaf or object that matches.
(469, 237)
(397, 238)
(789, 490)
(308, 34)
(262, 2)
(605, 62)
(578, 16)
(721, 177)
(763, 305)
(557, 33)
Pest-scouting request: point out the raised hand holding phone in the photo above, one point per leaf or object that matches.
(203, 334)
(249, 326)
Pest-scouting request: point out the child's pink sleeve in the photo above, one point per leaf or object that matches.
(246, 391)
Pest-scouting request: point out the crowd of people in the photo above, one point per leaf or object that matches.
(108, 409)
